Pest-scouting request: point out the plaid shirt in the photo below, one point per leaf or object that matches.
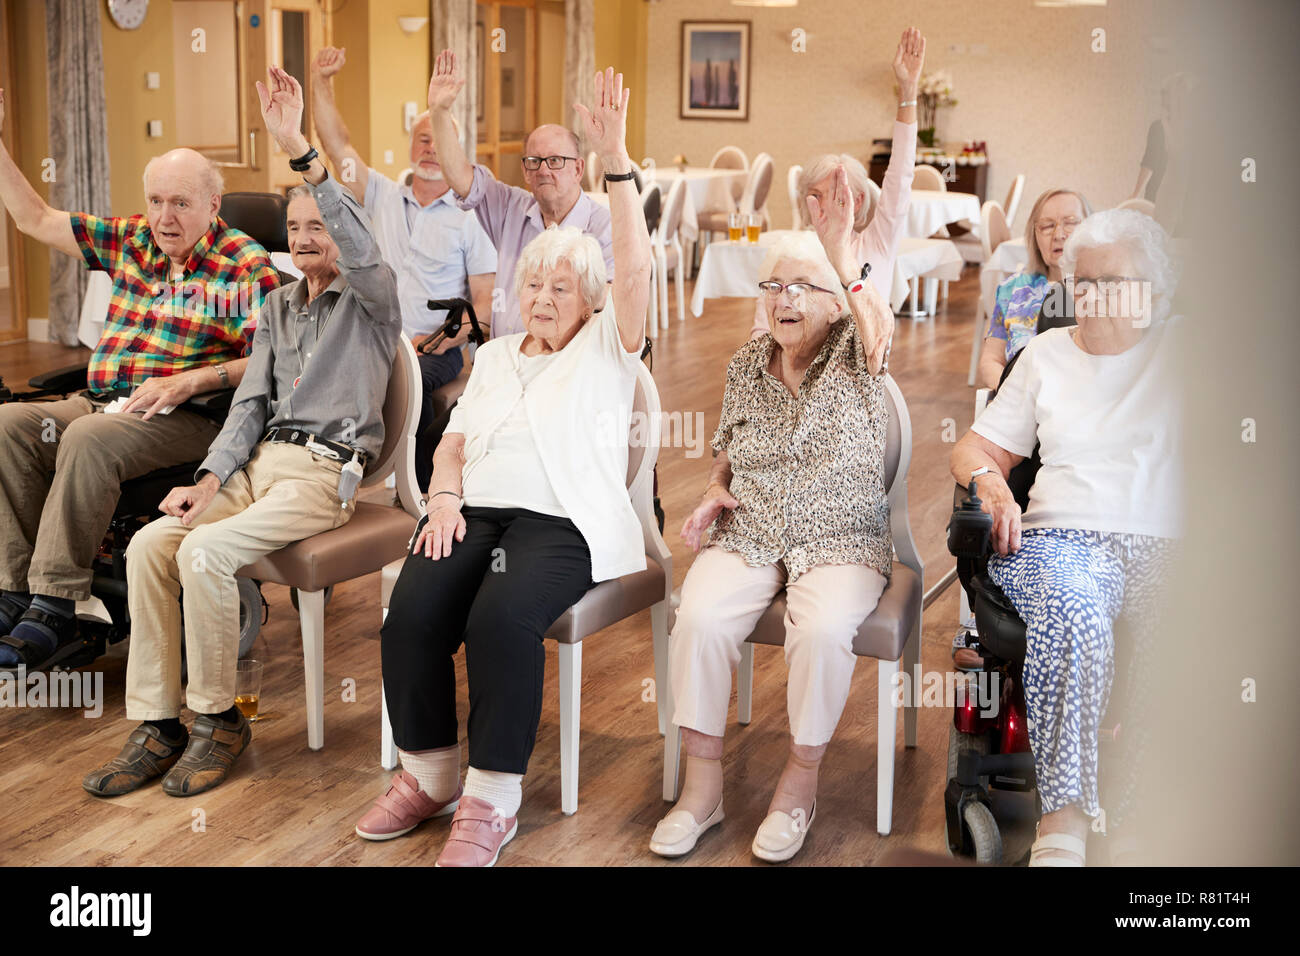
(155, 328)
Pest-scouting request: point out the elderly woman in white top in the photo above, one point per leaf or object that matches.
(797, 493)
(1085, 566)
(528, 509)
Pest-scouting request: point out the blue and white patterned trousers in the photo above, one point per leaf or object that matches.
(1077, 591)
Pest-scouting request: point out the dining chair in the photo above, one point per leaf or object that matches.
(375, 534)
(666, 248)
(797, 218)
(1012, 205)
(754, 198)
(652, 206)
(732, 157)
(925, 176)
(594, 174)
(604, 605)
(993, 232)
(1144, 206)
(723, 196)
(891, 633)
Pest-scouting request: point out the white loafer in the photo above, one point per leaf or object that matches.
(781, 836)
(1057, 841)
(677, 833)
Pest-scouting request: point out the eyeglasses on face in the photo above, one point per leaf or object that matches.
(1046, 227)
(552, 162)
(1083, 285)
(797, 290)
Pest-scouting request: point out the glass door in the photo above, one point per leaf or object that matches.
(506, 35)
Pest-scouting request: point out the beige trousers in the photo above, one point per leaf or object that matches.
(722, 600)
(284, 494)
(61, 467)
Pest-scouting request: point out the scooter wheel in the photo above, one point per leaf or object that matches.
(978, 820)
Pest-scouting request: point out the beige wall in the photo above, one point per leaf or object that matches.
(208, 77)
(621, 42)
(399, 73)
(33, 137)
(550, 66)
(1046, 104)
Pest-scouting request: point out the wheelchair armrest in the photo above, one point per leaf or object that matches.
(213, 405)
(70, 378)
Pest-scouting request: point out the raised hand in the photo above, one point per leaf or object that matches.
(833, 222)
(605, 124)
(281, 102)
(328, 61)
(446, 83)
(908, 62)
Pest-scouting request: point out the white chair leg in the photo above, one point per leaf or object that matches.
(943, 290)
(311, 618)
(745, 683)
(672, 746)
(977, 341)
(659, 628)
(570, 722)
(387, 747)
(677, 278)
(886, 732)
(652, 318)
(662, 265)
(931, 294)
(915, 283)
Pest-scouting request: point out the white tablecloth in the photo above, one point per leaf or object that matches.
(707, 188)
(689, 227)
(1007, 259)
(930, 209)
(731, 268)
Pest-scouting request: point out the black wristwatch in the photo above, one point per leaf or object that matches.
(303, 162)
(620, 177)
(866, 273)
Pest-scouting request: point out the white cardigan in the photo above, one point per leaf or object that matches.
(579, 408)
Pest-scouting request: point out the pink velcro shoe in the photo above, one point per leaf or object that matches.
(478, 832)
(403, 808)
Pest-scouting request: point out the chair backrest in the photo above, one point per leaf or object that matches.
(925, 176)
(1144, 206)
(401, 415)
(652, 205)
(594, 176)
(792, 189)
(760, 183)
(898, 461)
(993, 228)
(732, 157)
(1012, 205)
(673, 207)
(260, 215)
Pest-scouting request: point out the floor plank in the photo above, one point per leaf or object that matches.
(285, 804)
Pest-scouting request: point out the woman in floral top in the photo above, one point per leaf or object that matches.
(797, 500)
(1015, 313)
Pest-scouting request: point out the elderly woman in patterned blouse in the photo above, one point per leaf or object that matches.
(797, 500)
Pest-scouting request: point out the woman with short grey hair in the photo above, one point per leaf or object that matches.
(528, 510)
(1085, 566)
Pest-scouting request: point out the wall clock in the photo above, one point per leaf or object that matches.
(128, 14)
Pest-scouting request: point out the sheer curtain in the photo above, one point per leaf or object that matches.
(579, 59)
(78, 143)
(453, 29)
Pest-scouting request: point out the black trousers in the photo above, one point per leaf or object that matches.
(435, 372)
(499, 590)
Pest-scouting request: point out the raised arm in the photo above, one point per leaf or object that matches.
(833, 222)
(606, 128)
(444, 86)
(349, 167)
(31, 214)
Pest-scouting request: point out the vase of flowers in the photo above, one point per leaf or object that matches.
(934, 93)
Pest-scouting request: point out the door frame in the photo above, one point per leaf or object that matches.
(490, 148)
(15, 239)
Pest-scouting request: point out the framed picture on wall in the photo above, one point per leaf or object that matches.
(715, 69)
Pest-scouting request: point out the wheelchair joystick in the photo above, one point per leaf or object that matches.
(970, 527)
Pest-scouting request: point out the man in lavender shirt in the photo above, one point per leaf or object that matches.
(511, 216)
(876, 233)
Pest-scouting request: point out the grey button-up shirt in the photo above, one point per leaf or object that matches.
(338, 348)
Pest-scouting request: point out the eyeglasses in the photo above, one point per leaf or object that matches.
(552, 162)
(1082, 286)
(797, 290)
(1047, 226)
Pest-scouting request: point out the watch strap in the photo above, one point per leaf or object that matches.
(620, 177)
(303, 162)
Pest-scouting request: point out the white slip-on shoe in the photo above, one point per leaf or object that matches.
(1057, 841)
(677, 833)
(781, 835)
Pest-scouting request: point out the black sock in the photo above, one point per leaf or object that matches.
(229, 715)
(170, 727)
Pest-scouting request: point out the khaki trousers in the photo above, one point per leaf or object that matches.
(282, 495)
(61, 467)
(722, 600)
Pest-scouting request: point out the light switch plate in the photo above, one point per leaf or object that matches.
(153, 81)
(155, 128)
(388, 157)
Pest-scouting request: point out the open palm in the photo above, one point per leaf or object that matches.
(605, 124)
(446, 82)
(281, 102)
(909, 60)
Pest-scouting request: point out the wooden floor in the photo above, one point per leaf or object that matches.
(285, 804)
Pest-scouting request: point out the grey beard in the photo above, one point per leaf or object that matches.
(431, 177)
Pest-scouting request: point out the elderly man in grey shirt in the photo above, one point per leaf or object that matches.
(304, 421)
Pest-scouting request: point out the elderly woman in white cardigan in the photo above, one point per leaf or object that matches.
(528, 510)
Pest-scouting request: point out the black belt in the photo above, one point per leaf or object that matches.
(298, 436)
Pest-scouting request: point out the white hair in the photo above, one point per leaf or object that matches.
(212, 180)
(1142, 236)
(804, 247)
(855, 173)
(580, 250)
(299, 192)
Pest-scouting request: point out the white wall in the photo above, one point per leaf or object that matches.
(1046, 104)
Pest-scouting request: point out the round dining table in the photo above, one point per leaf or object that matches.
(929, 210)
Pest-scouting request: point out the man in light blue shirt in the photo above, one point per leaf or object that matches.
(437, 250)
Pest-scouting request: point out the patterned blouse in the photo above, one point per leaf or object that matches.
(808, 470)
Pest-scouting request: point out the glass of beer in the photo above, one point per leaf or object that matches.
(735, 226)
(248, 687)
(753, 226)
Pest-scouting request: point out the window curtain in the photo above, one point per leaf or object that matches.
(579, 60)
(78, 143)
(453, 29)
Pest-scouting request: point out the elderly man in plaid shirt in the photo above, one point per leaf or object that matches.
(185, 292)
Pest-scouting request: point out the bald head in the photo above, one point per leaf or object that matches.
(550, 133)
(182, 192)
